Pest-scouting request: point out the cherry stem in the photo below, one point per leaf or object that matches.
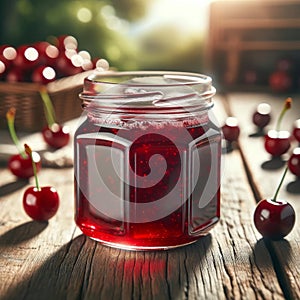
(287, 106)
(29, 152)
(12, 131)
(49, 110)
(280, 184)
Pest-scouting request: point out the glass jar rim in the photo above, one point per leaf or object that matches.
(101, 89)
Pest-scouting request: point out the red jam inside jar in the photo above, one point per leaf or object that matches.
(147, 160)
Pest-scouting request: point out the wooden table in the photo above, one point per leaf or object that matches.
(55, 261)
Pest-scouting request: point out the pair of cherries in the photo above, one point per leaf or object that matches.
(54, 134)
(261, 118)
(273, 218)
(40, 203)
(277, 142)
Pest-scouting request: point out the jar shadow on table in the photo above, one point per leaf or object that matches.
(86, 269)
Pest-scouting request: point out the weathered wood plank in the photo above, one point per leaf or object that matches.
(286, 253)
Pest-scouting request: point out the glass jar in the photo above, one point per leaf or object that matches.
(147, 159)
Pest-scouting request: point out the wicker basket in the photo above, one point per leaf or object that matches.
(25, 97)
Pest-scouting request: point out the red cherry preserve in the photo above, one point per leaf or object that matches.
(147, 159)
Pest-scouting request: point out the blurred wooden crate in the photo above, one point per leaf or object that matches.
(251, 34)
(25, 97)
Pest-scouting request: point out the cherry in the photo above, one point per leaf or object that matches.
(51, 55)
(261, 117)
(280, 81)
(3, 68)
(48, 53)
(27, 57)
(296, 130)
(54, 134)
(294, 162)
(40, 203)
(43, 74)
(231, 130)
(87, 63)
(20, 164)
(41, 48)
(277, 142)
(69, 62)
(7, 54)
(66, 42)
(15, 74)
(274, 219)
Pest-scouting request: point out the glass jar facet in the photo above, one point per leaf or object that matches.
(147, 160)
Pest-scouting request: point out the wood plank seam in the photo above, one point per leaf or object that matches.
(283, 277)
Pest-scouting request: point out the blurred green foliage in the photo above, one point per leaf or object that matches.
(28, 21)
(103, 29)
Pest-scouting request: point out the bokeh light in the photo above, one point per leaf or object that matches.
(84, 15)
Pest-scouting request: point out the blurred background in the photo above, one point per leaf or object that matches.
(130, 34)
(241, 43)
